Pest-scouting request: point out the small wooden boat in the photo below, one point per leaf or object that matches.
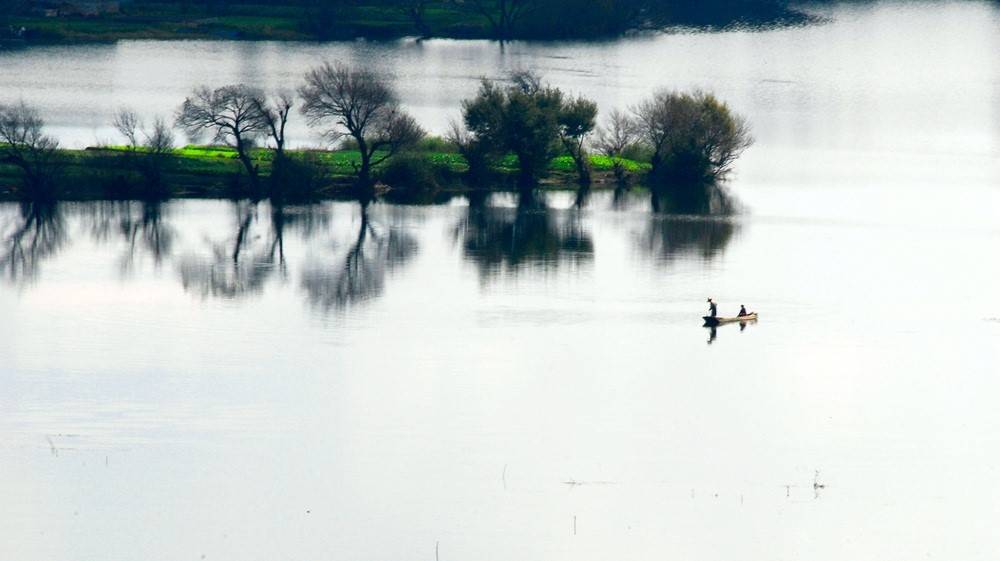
(709, 320)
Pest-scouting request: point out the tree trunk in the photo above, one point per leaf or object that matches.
(365, 187)
(526, 175)
(365, 172)
(582, 166)
(247, 163)
(620, 176)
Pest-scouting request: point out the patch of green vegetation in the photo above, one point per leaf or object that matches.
(597, 162)
(211, 170)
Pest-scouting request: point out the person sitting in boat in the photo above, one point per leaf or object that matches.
(712, 309)
(743, 311)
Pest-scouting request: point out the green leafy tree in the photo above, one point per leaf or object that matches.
(577, 119)
(693, 137)
(529, 119)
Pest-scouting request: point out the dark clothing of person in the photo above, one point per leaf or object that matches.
(743, 311)
(712, 309)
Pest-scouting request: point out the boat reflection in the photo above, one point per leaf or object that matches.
(713, 330)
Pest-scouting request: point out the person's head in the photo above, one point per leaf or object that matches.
(709, 300)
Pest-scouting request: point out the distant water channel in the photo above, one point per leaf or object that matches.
(227, 380)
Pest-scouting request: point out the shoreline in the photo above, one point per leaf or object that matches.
(375, 22)
(200, 172)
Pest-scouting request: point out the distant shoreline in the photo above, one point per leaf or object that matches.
(142, 21)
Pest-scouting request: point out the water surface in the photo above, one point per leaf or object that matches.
(234, 381)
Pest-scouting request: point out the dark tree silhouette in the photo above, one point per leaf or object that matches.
(147, 148)
(356, 103)
(523, 118)
(231, 114)
(273, 114)
(24, 145)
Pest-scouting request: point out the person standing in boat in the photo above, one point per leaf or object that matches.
(712, 308)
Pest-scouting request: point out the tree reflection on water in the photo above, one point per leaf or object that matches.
(341, 264)
(358, 275)
(241, 263)
(667, 238)
(35, 233)
(140, 224)
(230, 267)
(502, 240)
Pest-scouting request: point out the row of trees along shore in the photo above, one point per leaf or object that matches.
(673, 141)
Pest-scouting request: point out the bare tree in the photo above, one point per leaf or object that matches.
(231, 114)
(159, 143)
(147, 154)
(614, 138)
(274, 114)
(355, 103)
(127, 123)
(24, 145)
(159, 140)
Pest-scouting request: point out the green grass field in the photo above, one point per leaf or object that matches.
(207, 170)
(346, 160)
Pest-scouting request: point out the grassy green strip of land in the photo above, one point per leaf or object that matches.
(210, 170)
(344, 162)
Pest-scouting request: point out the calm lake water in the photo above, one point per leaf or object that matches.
(478, 382)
